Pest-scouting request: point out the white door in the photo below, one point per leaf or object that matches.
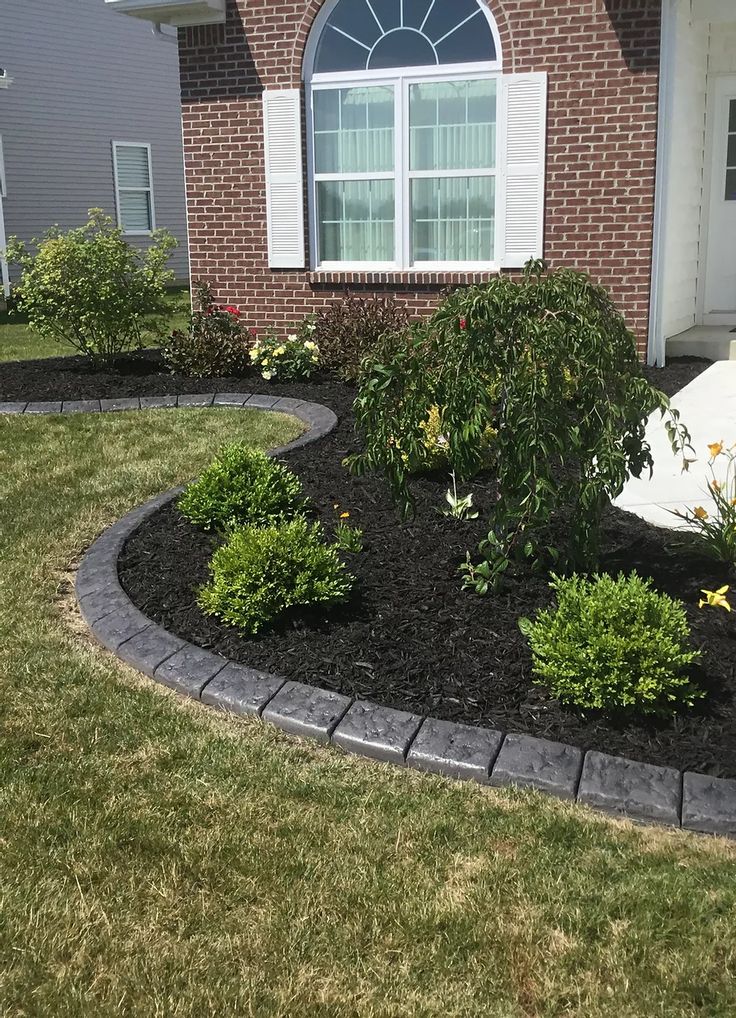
(719, 305)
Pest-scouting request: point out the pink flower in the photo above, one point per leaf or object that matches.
(232, 310)
(253, 332)
(463, 323)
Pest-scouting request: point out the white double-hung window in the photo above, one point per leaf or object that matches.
(133, 177)
(422, 154)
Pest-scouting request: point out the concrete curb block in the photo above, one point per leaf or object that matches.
(641, 792)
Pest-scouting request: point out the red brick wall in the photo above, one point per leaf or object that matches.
(602, 60)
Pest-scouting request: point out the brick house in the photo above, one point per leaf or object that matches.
(406, 145)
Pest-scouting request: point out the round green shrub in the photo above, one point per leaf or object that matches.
(242, 487)
(92, 290)
(260, 572)
(613, 644)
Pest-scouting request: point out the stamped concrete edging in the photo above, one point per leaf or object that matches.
(615, 785)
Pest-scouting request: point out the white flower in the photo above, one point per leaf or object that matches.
(309, 345)
(292, 338)
(268, 375)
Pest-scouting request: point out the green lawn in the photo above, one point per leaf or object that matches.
(19, 342)
(157, 859)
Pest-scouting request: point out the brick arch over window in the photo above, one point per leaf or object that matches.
(313, 8)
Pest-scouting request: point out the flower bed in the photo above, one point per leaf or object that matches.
(410, 638)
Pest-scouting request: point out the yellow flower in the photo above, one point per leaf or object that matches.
(344, 516)
(715, 599)
(715, 449)
(254, 353)
(279, 351)
(700, 512)
(309, 345)
(716, 485)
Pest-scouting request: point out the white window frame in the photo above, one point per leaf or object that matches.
(400, 79)
(3, 178)
(151, 202)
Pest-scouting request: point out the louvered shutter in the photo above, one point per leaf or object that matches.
(523, 172)
(284, 182)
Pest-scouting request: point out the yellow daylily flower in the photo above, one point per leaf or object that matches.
(700, 513)
(715, 448)
(344, 516)
(715, 599)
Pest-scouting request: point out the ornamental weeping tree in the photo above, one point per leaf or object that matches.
(549, 362)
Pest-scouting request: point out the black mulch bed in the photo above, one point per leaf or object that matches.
(411, 639)
(143, 374)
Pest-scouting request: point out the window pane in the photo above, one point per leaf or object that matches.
(453, 219)
(356, 220)
(453, 125)
(730, 185)
(403, 49)
(445, 16)
(403, 33)
(415, 12)
(354, 130)
(135, 211)
(132, 166)
(732, 116)
(335, 52)
(471, 42)
(731, 160)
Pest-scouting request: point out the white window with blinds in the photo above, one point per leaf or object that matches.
(422, 153)
(133, 187)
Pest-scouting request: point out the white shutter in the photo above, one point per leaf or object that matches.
(284, 184)
(523, 171)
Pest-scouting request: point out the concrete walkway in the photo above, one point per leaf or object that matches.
(708, 409)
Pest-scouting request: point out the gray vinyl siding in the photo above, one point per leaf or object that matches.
(83, 77)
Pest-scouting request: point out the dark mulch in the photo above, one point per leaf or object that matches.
(412, 639)
(143, 374)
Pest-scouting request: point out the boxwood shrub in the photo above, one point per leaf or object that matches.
(613, 644)
(262, 571)
(242, 486)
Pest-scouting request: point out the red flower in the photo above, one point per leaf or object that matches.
(463, 323)
(232, 310)
(253, 332)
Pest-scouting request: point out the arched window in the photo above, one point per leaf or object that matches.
(367, 35)
(403, 106)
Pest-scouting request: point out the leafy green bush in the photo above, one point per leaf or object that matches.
(215, 344)
(241, 487)
(261, 572)
(613, 644)
(346, 330)
(548, 361)
(286, 360)
(92, 290)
